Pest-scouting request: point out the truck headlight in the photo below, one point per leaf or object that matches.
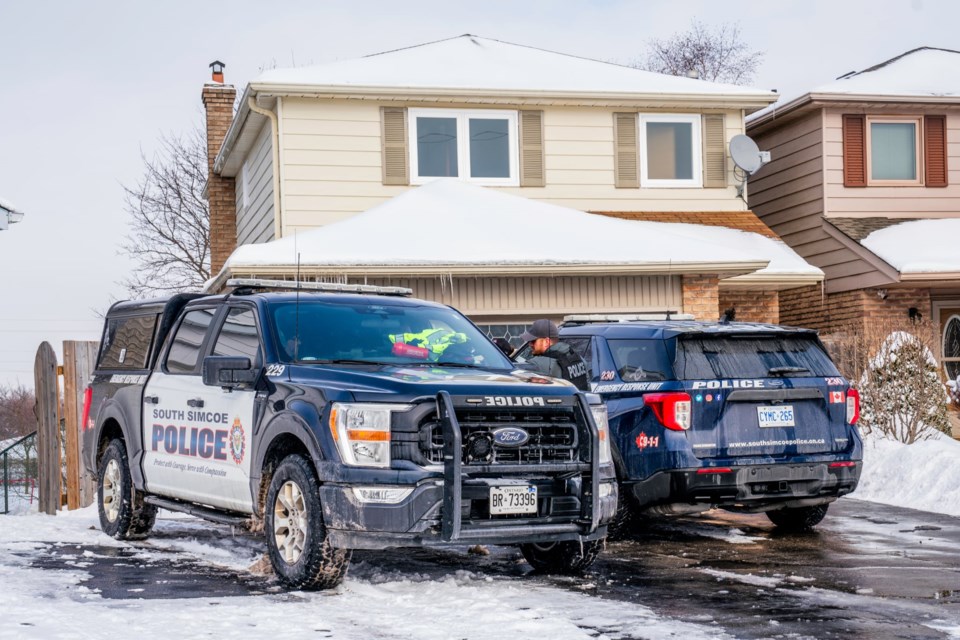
(362, 432)
(599, 412)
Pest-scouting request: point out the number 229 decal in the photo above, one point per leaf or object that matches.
(276, 369)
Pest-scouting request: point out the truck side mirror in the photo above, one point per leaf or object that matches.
(228, 371)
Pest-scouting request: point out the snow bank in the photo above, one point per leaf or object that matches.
(918, 246)
(924, 475)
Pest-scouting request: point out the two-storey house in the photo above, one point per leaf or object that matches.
(865, 184)
(321, 162)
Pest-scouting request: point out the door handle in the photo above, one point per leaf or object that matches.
(151, 399)
(196, 403)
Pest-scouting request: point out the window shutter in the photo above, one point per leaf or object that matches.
(531, 149)
(714, 151)
(626, 158)
(854, 151)
(935, 151)
(393, 135)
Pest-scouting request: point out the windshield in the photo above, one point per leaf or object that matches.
(334, 332)
(713, 357)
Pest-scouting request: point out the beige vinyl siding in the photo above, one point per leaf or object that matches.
(495, 298)
(892, 202)
(255, 218)
(787, 194)
(333, 163)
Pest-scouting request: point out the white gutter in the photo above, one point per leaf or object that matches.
(847, 98)
(275, 143)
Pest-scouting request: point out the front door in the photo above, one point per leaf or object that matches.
(950, 341)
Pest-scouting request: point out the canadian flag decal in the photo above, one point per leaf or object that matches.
(836, 397)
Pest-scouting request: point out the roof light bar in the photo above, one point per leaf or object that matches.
(628, 317)
(326, 287)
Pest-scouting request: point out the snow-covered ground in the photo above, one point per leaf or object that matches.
(372, 603)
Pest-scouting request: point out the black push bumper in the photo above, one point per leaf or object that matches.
(575, 501)
(749, 488)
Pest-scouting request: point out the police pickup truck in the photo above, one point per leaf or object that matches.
(339, 417)
(742, 416)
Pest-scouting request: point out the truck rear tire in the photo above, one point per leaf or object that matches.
(798, 519)
(297, 543)
(123, 513)
(569, 557)
(625, 519)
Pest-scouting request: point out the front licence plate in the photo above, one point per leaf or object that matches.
(513, 499)
(779, 416)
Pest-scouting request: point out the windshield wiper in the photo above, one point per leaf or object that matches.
(775, 371)
(443, 364)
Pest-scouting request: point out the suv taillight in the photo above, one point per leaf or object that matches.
(87, 399)
(853, 406)
(672, 409)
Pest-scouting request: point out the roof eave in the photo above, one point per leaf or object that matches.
(823, 99)
(771, 281)
(930, 276)
(735, 101)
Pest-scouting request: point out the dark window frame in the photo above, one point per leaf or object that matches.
(204, 346)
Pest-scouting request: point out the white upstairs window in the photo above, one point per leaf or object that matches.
(478, 146)
(670, 150)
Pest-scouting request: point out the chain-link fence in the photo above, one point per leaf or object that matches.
(19, 469)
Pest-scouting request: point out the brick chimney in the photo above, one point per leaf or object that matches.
(218, 101)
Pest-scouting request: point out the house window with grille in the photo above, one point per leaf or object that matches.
(475, 146)
(670, 151)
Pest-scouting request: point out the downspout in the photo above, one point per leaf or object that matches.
(275, 133)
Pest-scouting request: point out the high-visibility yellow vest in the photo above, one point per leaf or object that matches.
(435, 340)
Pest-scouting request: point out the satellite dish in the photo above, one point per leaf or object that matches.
(745, 153)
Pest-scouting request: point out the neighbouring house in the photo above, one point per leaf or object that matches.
(9, 214)
(322, 162)
(865, 184)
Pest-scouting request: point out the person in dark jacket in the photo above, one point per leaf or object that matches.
(554, 358)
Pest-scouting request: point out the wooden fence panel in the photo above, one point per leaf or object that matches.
(47, 410)
(79, 359)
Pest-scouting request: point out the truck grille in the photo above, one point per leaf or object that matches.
(553, 437)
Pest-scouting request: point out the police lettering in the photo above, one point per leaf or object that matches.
(193, 441)
(728, 384)
(513, 401)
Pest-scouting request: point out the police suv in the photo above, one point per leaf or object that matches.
(747, 417)
(340, 417)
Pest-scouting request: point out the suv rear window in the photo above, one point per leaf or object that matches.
(714, 357)
(126, 343)
(640, 360)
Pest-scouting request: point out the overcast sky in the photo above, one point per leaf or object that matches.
(88, 86)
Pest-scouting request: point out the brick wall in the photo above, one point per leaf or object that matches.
(218, 102)
(701, 296)
(752, 306)
(829, 313)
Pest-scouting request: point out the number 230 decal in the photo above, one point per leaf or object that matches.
(276, 369)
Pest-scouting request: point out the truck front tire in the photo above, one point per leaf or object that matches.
(123, 513)
(296, 537)
(567, 557)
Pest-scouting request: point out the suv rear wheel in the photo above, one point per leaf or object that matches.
(296, 538)
(798, 519)
(123, 513)
(568, 557)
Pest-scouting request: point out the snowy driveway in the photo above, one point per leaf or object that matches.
(871, 571)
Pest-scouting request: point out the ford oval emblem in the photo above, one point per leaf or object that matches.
(510, 437)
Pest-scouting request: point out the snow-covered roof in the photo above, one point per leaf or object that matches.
(922, 74)
(470, 62)
(919, 246)
(449, 223)
(7, 205)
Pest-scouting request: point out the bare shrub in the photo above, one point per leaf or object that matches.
(902, 390)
